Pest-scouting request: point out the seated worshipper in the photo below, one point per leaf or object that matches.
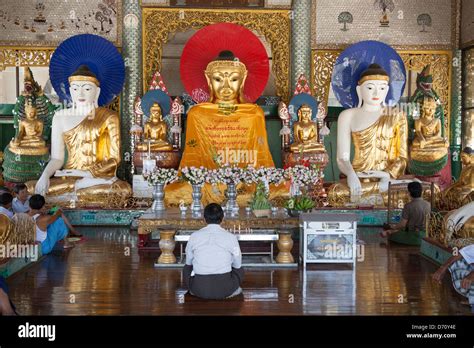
(461, 267)
(411, 229)
(6, 305)
(6, 199)
(21, 205)
(213, 259)
(50, 229)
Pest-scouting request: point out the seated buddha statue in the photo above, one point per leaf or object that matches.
(29, 140)
(226, 129)
(428, 145)
(456, 194)
(305, 133)
(155, 132)
(379, 136)
(90, 135)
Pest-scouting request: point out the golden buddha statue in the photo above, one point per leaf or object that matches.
(155, 132)
(305, 133)
(379, 136)
(29, 140)
(456, 194)
(226, 124)
(226, 129)
(90, 135)
(428, 145)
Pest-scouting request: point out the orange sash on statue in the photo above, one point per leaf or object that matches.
(234, 134)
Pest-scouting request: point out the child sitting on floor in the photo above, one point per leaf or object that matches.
(49, 228)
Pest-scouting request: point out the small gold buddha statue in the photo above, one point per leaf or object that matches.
(464, 186)
(305, 133)
(155, 132)
(29, 140)
(428, 145)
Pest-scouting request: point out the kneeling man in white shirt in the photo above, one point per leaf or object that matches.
(213, 267)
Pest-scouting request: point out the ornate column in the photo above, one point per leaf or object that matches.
(301, 40)
(132, 51)
(468, 96)
(455, 122)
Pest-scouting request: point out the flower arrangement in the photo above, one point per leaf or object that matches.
(195, 176)
(263, 174)
(302, 175)
(161, 176)
(226, 174)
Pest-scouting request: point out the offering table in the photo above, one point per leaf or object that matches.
(244, 224)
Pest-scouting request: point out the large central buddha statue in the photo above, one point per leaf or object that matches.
(85, 149)
(379, 135)
(225, 129)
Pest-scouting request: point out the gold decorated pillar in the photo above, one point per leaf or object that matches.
(468, 102)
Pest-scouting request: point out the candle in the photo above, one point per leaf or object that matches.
(149, 148)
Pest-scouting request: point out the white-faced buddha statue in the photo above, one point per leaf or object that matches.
(90, 136)
(379, 136)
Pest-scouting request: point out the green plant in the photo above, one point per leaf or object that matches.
(300, 203)
(260, 199)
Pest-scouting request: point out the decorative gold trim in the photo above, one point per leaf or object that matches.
(455, 13)
(322, 64)
(25, 56)
(84, 78)
(159, 24)
(374, 77)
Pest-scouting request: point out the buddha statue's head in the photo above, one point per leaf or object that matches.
(428, 108)
(30, 111)
(84, 87)
(467, 156)
(155, 113)
(304, 113)
(373, 86)
(225, 77)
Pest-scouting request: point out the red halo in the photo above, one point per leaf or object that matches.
(206, 44)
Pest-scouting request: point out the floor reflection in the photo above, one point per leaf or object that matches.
(105, 275)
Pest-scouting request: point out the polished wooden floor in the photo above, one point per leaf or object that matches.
(105, 275)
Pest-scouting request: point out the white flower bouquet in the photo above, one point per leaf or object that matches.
(195, 176)
(163, 176)
(263, 174)
(226, 174)
(302, 176)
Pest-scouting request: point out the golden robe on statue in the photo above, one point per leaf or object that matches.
(234, 134)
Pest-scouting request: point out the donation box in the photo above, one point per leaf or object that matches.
(328, 238)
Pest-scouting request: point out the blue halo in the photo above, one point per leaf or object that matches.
(99, 54)
(355, 59)
(156, 96)
(300, 99)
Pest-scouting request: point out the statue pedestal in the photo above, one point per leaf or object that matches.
(442, 178)
(321, 159)
(164, 159)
